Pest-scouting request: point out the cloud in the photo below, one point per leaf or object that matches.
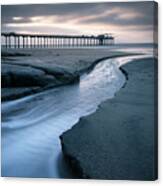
(124, 16)
(82, 18)
(49, 9)
(70, 11)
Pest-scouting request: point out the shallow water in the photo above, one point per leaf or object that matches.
(31, 126)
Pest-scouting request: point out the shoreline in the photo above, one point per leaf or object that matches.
(42, 78)
(49, 112)
(116, 159)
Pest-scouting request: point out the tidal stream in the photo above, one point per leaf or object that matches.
(31, 126)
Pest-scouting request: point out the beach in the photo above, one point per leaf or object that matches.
(79, 90)
(28, 71)
(118, 141)
(39, 118)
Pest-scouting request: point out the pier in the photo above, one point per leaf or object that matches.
(16, 40)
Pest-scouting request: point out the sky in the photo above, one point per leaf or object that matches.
(128, 22)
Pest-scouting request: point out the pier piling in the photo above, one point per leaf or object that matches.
(15, 40)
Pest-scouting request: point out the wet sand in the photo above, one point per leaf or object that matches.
(119, 140)
(38, 120)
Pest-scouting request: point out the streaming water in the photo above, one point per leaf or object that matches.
(31, 126)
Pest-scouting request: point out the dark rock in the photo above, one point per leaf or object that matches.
(15, 93)
(30, 72)
(14, 54)
(20, 76)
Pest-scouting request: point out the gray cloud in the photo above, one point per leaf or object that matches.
(69, 11)
(60, 10)
(83, 13)
(41, 30)
(115, 19)
(144, 10)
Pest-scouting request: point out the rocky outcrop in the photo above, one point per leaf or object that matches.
(37, 70)
(119, 140)
(21, 80)
(15, 54)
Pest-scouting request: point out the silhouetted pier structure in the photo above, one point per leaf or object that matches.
(15, 40)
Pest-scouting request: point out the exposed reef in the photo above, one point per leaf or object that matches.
(27, 72)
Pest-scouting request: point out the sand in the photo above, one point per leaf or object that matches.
(119, 140)
(26, 71)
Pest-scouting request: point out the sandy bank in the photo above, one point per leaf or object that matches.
(27, 71)
(117, 141)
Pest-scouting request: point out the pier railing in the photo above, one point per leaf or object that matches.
(15, 40)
